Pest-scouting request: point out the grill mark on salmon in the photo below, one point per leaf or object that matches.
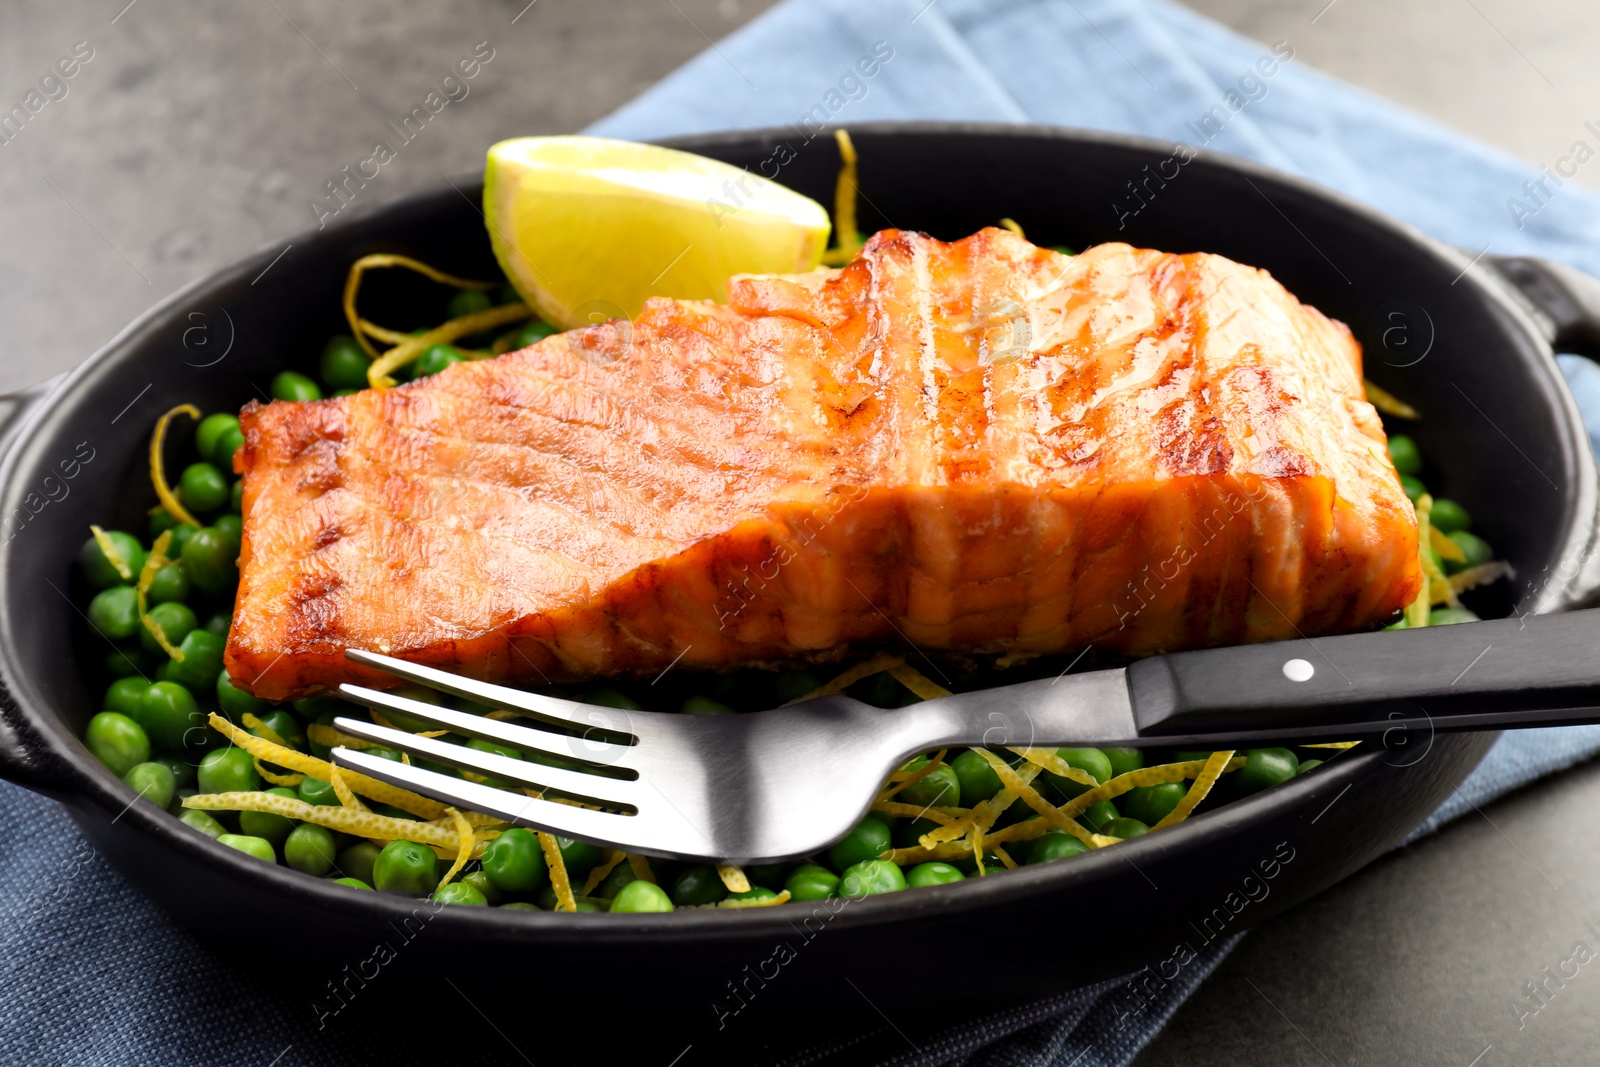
(982, 446)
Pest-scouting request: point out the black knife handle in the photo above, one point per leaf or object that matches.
(1532, 670)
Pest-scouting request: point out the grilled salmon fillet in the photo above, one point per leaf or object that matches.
(981, 445)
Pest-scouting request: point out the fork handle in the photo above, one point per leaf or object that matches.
(1531, 671)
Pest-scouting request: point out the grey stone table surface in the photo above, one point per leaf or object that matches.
(196, 131)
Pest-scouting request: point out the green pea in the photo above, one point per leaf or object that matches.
(609, 697)
(480, 881)
(932, 873)
(180, 537)
(358, 860)
(940, 787)
(1475, 548)
(182, 770)
(175, 622)
(1447, 516)
(231, 525)
(209, 434)
(211, 557)
(169, 582)
(621, 875)
(168, 713)
(699, 705)
(228, 770)
(1125, 828)
(978, 781)
(468, 302)
(1307, 765)
(99, 571)
(219, 624)
(812, 881)
(1152, 803)
(866, 841)
(201, 665)
(1414, 489)
(1403, 453)
(792, 685)
(291, 385)
(114, 613)
(514, 862)
(235, 702)
(117, 741)
(435, 360)
(344, 363)
(1450, 616)
(201, 487)
(579, 857)
(1054, 845)
(160, 521)
(228, 443)
(1090, 760)
(459, 893)
(533, 333)
(310, 849)
(641, 897)
(202, 821)
(127, 660)
(316, 792)
(870, 877)
(406, 867)
(123, 695)
(153, 781)
(1263, 768)
(286, 726)
(267, 825)
(1124, 760)
(1098, 815)
(353, 883)
(698, 885)
(250, 846)
(236, 496)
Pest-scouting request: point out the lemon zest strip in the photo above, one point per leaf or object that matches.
(341, 789)
(1388, 403)
(844, 204)
(641, 868)
(781, 898)
(252, 723)
(559, 880)
(1011, 224)
(158, 477)
(1048, 759)
(733, 877)
(1334, 744)
(152, 563)
(850, 677)
(1035, 800)
(917, 682)
(412, 347)
(1482, 574)
(326, 735)
(466, 842)
(379, 260)
(942, 816)
(360, 823)
(912, 778)
(1203, 782)
(113, 555)
(1446, 548)
(598, 874)
(290, 780)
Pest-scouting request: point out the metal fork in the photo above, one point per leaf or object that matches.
(777, 785)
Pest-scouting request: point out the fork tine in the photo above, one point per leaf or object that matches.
(595, 752)
(600, 789)
(600, 827)
(551, 709)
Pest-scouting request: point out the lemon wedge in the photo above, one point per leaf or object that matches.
(587, 227)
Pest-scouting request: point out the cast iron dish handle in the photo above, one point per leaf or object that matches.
(1564, 304)
(19, 762)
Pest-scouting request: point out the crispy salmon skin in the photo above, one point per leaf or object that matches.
(981, 445)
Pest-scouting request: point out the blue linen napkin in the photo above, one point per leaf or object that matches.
(90, 973)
